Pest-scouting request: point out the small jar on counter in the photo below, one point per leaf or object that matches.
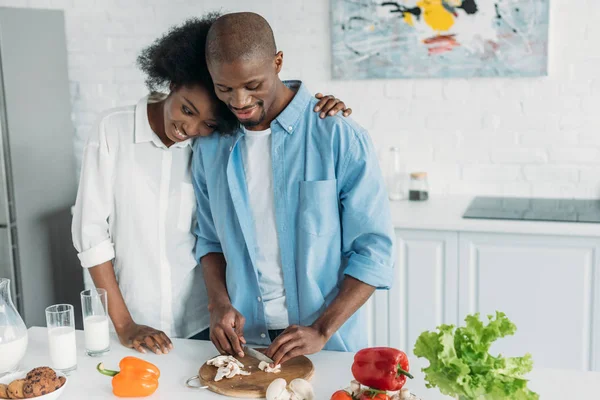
(419, 187)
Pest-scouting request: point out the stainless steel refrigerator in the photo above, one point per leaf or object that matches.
(37, 164)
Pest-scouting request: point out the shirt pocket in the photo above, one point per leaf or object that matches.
(187, 207)
(319, 213)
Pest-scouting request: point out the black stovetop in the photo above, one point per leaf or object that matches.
(530, 209)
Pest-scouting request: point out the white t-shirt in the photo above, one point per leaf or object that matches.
(256, 153)
(136, 206)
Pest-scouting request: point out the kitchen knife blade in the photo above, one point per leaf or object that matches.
(257, 354)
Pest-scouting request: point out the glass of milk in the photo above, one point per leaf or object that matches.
(94, 304)
(60, 320)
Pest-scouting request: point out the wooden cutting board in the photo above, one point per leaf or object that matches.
(254, 385)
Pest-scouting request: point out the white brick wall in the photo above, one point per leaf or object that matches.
(536, 137)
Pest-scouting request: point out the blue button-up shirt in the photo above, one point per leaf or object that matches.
(331, 209)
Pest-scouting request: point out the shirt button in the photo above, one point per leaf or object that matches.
(262, 335)
(259, 299)
(290, 128)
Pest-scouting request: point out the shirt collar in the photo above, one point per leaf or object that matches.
(290, 116)
(143, 132)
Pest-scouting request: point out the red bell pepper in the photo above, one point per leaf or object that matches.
(381, 368)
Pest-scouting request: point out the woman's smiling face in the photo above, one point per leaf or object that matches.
(189, 111)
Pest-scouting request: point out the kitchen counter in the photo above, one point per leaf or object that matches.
(332, 372)
(444, 213)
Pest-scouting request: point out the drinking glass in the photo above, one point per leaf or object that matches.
(94, 305)
(60, 320)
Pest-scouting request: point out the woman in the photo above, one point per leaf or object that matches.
(135, 205)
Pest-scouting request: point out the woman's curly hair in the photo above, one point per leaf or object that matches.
(178, 58)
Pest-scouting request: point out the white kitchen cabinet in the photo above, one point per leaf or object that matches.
(549, 286)
(425, 291)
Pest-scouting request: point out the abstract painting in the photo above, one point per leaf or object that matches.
(439, 38)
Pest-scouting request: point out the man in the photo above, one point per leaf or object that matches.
(294, 229)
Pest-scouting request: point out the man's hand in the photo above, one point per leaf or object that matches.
(296, 341)
(300, 340)
(142, 338)
(227, 329)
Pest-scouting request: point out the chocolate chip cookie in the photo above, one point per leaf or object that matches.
(3, 391)
(40, 386)
(41, 372)
(61, 380)
(15, 389)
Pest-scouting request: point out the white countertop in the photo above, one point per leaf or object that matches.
(444, 213)
(332, 372)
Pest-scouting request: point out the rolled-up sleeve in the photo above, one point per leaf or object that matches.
(368, 233)
(207, 240)
(93, 207)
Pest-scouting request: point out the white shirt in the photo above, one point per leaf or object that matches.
(256, 153)
(136, 205)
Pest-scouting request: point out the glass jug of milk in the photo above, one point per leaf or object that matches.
(13, 332)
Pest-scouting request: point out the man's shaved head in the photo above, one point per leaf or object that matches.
(240, 36)
(244, 65)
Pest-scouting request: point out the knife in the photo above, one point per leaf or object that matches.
(257, 354)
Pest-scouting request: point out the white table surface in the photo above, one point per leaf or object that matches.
(332, 372)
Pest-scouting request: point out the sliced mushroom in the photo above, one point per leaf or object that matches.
(221, 361)
(221, 373)
(264, 366)
(228, 367)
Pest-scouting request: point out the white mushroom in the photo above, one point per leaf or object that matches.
(234, 369)
(221, 373)
(355, 388)
(221, 361)
(218, 361)
(264, 366)
(301, 390)
(228, 371)
(277, 390)
(228, 367)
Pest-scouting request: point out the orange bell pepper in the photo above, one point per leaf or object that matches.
(137, 378)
